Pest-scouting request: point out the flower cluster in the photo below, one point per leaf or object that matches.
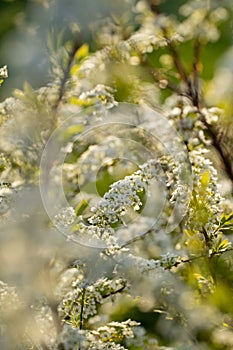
(73, 339)
(6, 192)
(99, 96)
(65, 217)
(100, 155)
(81, 302)
(9, 300)
(200, 21)
(96, 235)
(115, 331)
(124, 194)
(3, 74)
(191, 123)
(103, 338)
(44, 323)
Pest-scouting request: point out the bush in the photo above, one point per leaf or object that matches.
(116, 181)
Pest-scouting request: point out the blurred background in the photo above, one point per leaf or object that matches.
(25, 26)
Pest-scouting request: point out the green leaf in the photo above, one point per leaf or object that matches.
(223, 245)
(73, 130)
(82, 52)
(81, 207)
(226, 218)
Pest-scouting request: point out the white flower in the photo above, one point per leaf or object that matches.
(3, 72)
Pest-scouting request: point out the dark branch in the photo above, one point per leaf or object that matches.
(169, 84)
(178, 63)
(196, 64)
(82, 308)
(115, 292)
(226, 159)
(193, 94)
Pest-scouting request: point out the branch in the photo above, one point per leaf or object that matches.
(193, 95)
(218, 146)
(66, 72)
(196, 63)
(193, 91)
(82, 308)
(203, 256)
(81, 314)
(177, 62)
(108, 253)
(113, 293)
(137, 238)
(206, 237)
(169, 84)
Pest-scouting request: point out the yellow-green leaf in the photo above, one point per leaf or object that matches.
(205, 179)
(82, 52)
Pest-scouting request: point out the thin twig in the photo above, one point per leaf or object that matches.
(207, 239)
(113, 293)
(82, 308)
(126, 244)
(169, 84)
(177, 62)
(81, 313)
(203, 256)
(138, 238)
(196, 64)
